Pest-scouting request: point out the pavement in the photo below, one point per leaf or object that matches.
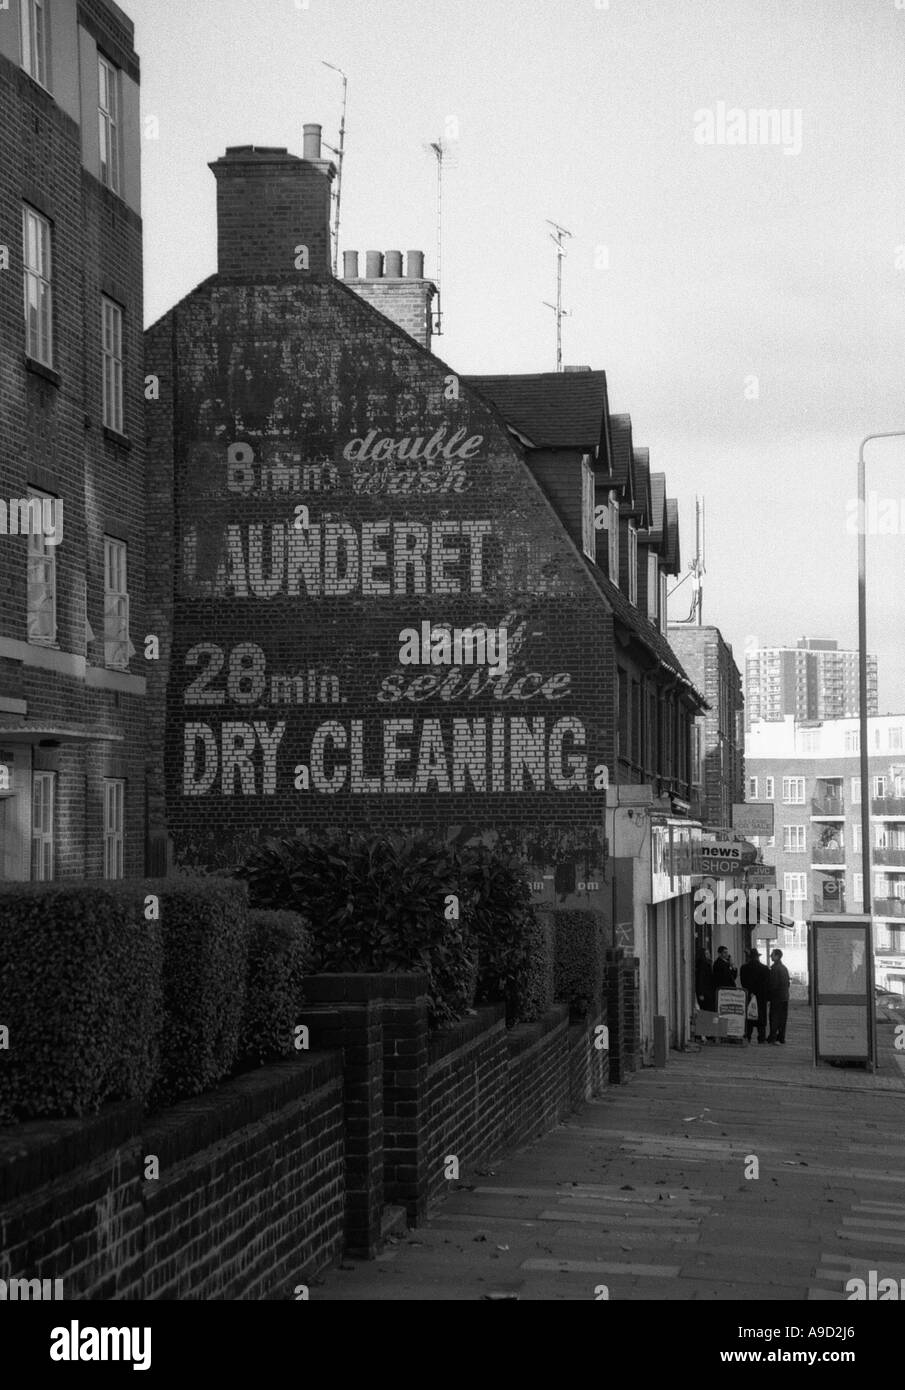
(643, 1193)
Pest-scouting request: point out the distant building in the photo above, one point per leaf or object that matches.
(72, 685)
(811, 773)
(812, 680)
(718, 755)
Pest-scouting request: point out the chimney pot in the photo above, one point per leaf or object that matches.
(350, 265)
(415, 266)
(394, 265)
(374, 265)
(311, 142)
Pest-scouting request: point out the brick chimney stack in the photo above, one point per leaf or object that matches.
(269, 204)
(403, 298)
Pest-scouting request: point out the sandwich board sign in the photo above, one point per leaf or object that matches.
(730, 1004)
(842, 971)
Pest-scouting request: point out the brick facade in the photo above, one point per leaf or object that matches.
(269, 396)
(63, 710)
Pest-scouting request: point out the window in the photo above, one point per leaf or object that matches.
(588, 534)
(856, 791)
(42, 583)
(33, 33)
(856, 839)
(108, 122)
(613, 537)
(858, 888)
(632, 564)
(622, 714)
(38, 288)
(795, 887)
(42, 799)
(879, 786)
(793, 839)
(895, 739)
(117, 647)
(852, 740)
(113, 365)
(752, 788)
(881, 837)
(664, 614)
(793, 791)
(653, 585)
(768, 789)
(114, 792)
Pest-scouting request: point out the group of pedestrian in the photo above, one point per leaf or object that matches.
(764, 985)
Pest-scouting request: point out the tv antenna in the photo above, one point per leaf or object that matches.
(339, 151)
(696, 570)
(556, 236)
(440, 149)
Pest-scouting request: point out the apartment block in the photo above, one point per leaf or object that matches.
(811, 772)
(812, 680)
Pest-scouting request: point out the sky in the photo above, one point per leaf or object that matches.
(742, 284)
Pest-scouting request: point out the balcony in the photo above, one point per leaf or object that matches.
(892, 857)
(889, 907)
(828, 806)
(828, 856)
(891, 806)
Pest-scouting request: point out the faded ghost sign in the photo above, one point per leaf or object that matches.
(309, 569)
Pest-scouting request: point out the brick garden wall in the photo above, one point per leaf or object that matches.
(249, 1201)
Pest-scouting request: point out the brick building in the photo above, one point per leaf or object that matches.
(719, 749)
(72, 687)
(811, 772)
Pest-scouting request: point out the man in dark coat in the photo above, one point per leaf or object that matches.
(779, 998)
(754, 977)
(703, 980)
(724, 972)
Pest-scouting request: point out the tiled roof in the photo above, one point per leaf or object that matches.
(642, 487)
(623, 463)
(645, 630)
(554, 410)
(658, 506)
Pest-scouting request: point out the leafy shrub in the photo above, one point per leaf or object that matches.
(205, 939)
(579, 959)
(277, 947)
(80, 992)
(373, 903)
(511, 944)
(538, 991)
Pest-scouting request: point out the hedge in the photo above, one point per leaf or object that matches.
(80, 993)
(205, 942)
(277, 952)
(579, 959)
(375, 903)
(513, 959)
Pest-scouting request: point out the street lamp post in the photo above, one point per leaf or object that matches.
(862, 669)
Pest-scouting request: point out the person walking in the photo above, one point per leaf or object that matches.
(703, 980)
(754, 978)
(779, 998)
(724, 972)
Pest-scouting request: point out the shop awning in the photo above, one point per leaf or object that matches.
(55, 733)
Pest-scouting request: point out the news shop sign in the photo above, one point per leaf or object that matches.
(720, 859)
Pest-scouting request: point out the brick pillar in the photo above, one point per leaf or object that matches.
(614, 984)
(632, 1017)
(345, 1011)
(405, 1061)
